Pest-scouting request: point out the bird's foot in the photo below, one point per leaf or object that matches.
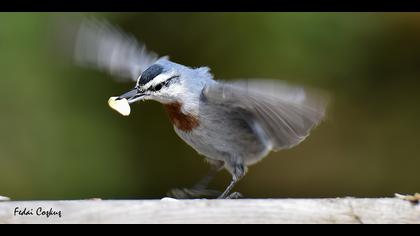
(234, 195)
(186, 193)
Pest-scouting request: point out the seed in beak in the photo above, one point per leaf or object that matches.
(120, 104)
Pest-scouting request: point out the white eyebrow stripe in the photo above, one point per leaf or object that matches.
(157, 80)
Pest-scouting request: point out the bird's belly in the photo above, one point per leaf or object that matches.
(226, 137)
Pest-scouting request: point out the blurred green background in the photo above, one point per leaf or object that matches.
(59, 140)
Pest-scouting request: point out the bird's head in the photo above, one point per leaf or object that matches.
(168, 82)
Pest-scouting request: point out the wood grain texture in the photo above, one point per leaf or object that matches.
(340, 210)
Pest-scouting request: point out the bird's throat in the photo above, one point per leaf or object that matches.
(184, 122)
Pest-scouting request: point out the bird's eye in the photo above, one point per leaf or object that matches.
(158, 87)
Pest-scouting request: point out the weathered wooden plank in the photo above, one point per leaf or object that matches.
(340, 210)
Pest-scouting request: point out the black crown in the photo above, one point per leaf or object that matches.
(150, 74)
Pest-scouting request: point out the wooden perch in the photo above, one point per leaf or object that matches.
(340, 210)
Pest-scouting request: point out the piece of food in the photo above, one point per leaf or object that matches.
(120, 105)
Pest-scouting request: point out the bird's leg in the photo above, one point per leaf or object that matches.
(200, 188)
(238, 171)
(228, 189)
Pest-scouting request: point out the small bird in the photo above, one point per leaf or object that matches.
(232, 124)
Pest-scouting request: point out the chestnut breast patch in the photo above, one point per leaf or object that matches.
(184, 122)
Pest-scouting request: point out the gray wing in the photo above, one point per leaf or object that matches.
(108, 48)
(285, 113)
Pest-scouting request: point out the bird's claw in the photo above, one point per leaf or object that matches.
(186, 193)
(235, 195)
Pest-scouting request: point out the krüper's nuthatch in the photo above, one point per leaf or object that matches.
(232, 124)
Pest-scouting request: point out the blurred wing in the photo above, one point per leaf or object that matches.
(108, 48)
(286, 113)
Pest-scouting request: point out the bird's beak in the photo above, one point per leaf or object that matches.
(122, 103)
(131, 96)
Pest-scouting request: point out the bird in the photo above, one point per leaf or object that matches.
(233, 124)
